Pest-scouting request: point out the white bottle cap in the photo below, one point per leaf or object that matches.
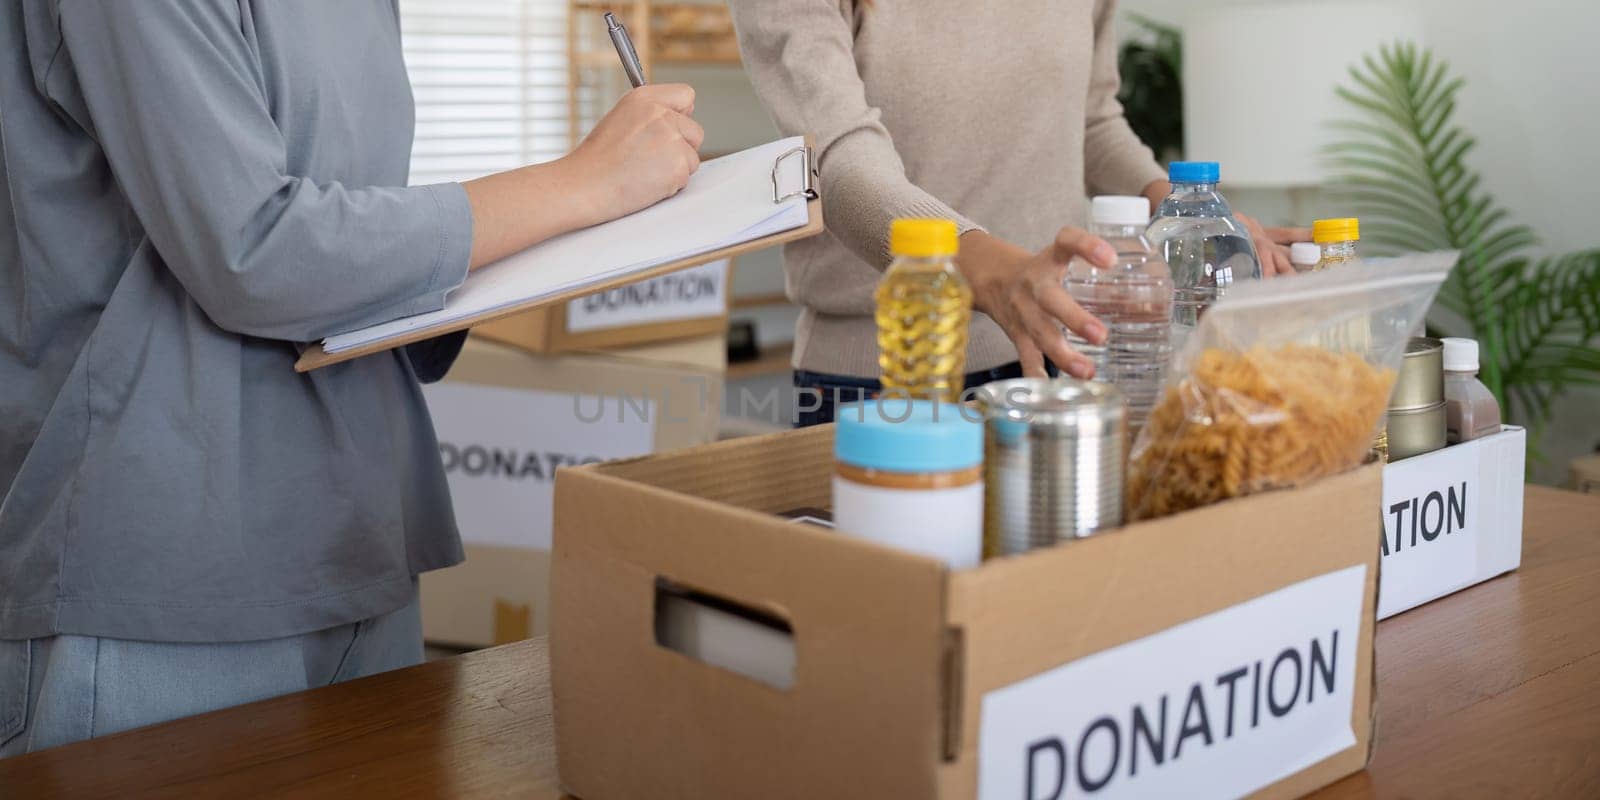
(1119, 210)
(1460, 355)
(1305, 254)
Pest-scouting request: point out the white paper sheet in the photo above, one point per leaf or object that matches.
(1451, 518)
(727, 202)
(691, 294)
(1265, 708)
(1430, 527)
(501, 448)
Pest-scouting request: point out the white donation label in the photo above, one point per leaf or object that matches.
(690, 294)
(1430, 527)
(501, 448)
(1219, 706)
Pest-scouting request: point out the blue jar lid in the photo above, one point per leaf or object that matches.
(1194, 172)
(913, 436)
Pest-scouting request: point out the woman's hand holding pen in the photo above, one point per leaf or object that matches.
(1025, 294)
(641, 152)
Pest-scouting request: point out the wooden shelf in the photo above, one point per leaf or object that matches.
(596, 59)
(676, 34)
(759, 300)
(700, 59)
(679, 33)
(774, 360)
(607, 59)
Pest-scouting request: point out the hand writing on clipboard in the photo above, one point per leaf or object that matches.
(649, 138)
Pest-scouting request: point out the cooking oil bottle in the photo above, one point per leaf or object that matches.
(924, 307)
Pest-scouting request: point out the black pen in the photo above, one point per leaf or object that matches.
(625, 51)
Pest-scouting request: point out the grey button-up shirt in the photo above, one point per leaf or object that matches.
(188, 188)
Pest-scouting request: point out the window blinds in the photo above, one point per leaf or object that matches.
(490, 79)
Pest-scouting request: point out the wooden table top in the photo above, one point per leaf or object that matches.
(1493, 691)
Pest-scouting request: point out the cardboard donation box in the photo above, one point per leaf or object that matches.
(506, 421)
(1585, 475)
(693, 302)
(1451, 519)
(703, 646)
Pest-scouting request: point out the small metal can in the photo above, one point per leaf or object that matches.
(1055, 454)
(1421, 380)
(1414, 431)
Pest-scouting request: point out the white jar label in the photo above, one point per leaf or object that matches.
(946, 524)
(1218, 706)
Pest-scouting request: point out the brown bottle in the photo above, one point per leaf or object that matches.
(1471, 410)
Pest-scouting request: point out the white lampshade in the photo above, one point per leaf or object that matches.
(1258, 83)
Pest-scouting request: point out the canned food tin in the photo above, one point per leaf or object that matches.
(1414, 431)
(1055, 453)
(1421, 380)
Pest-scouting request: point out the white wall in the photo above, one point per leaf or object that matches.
(1532, 100)
(1530, 79)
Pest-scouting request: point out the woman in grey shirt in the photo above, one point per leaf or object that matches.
(190, 189)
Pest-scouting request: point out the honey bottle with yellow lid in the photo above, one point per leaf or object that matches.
(924, 308)
(1337, 238)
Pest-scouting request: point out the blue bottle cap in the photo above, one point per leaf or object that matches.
(900, 435)
(1194, 172)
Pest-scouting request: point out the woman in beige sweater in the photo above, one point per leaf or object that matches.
(1002, 116)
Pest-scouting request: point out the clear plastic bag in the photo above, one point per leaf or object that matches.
(1284, 382)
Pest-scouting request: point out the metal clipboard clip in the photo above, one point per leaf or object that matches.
(808, 169)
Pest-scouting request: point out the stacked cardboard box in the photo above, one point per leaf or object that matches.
(1586, 474)
(507, 421)
(686, 304)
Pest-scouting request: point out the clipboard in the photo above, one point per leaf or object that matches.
(316, 357)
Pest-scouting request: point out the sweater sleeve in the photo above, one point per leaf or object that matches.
(1115, 161)
(799, 56)
(171, 92)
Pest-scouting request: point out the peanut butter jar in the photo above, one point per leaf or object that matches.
(909, 474)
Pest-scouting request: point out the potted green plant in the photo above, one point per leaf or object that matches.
(1151, 66)
(1402, 166)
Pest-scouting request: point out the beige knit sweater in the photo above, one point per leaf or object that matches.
(999, 114)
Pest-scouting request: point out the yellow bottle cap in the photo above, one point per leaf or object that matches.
(1347, 229)
(923, 238)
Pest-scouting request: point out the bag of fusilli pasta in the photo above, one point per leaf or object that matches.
(1285, 381)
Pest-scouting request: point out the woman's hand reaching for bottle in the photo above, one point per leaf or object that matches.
(1026, 295)
(1272, 245)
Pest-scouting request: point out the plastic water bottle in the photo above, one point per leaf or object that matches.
(1204, 245)
(1470, 409)
(1133, 299)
